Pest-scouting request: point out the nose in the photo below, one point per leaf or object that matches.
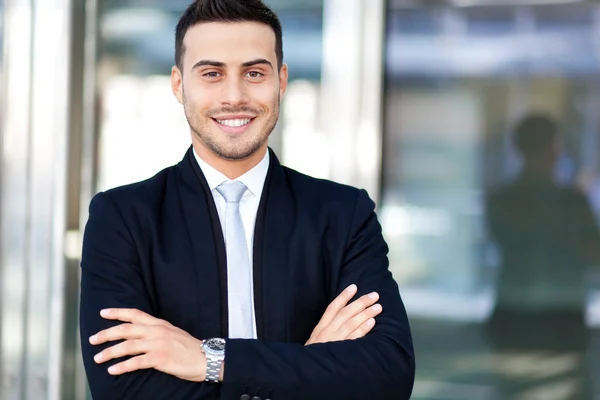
(234, 92)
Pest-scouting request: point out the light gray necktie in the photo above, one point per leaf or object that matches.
(239, 282)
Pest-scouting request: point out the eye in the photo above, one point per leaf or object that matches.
(255, 74)
(211, 74)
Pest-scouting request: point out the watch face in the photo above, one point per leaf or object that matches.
(215, 344)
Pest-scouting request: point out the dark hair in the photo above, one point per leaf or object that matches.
(227, 11)
(534, 133)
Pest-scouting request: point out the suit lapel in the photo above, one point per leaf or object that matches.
(208, 244)
(272, 237)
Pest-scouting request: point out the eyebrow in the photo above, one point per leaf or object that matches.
(218, 64)
(257, 62)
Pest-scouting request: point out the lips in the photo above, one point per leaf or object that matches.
(234, 125)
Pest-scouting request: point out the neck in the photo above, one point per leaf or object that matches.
(537, 170)
(232, 169)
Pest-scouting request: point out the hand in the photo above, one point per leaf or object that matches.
(347, 322)
(155, 343)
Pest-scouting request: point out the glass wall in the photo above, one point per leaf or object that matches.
(142, 128)
(34, 136)
(495, 244)
(1, 43)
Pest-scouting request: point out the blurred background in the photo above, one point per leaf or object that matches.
(494, 245)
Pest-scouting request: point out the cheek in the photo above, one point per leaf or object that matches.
(196, 101)
(197, 91)
(267, 97)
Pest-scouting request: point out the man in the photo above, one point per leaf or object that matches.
(548, 238)
(229, 276)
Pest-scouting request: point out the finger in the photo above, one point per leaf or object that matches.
(125, 332)
(127, 348)
(353, 309)
(133, 364)
(337, 305)
(358, 320)
(132, 315)
(362, 330)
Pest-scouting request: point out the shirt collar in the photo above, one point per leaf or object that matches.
(254, 179)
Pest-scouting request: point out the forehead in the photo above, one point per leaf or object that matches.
(229, 42)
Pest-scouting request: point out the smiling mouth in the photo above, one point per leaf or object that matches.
(234, 123)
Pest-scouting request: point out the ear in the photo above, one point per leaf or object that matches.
(283, 80)
(177, 83)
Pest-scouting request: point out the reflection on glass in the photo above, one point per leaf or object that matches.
(458, 81)
(143, 128)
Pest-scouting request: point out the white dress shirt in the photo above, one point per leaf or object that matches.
(254, 180)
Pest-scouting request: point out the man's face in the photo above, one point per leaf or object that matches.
(230, 86)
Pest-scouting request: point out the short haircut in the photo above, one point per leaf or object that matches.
(535, 132)
(204, 11)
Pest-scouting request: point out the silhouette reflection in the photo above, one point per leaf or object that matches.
(548, 238)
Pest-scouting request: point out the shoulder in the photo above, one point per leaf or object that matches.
(321, 193)
(575, 198)
(135, 196)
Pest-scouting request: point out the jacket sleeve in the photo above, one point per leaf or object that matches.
(111, 278)
(379, 366)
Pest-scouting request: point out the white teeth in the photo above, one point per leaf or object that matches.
(234, 123)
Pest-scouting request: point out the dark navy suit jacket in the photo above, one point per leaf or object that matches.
(157, 246)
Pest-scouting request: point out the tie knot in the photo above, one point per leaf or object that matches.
(232, 191)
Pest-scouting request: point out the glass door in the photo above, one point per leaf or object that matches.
(459, 83)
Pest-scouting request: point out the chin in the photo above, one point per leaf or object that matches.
(234, 154)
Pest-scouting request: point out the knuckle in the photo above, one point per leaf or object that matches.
(338, 299)
(159, 357)
(368, 325)
(344, 331)
(133, 363)
(120, 329)
(367, 300)
(135, 344)
(125, 366)
(351, 325)
(335, 305)
(323, 330)
(364, 315)
(147, 361)
(376, 309)
(163, 330)
(361, 331)
(150, 359)
(346, 309)
(350, 311)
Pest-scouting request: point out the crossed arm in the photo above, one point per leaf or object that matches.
(168, 362)
(156, 343)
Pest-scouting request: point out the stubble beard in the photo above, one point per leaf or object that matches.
(232, 148)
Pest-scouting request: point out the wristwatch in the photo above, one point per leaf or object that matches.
(215, 355)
